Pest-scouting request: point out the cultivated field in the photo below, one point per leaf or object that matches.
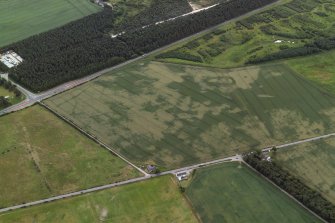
(41, 156)
(233, 193)
(319, 68)
(156, 200)
(20, 19)
(313, 163)
(174, 115)
(281, 28)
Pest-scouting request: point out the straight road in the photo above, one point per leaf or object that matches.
(268, 149)
(33, 98)
(108, 186)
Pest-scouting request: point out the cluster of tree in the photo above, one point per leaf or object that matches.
(307, 196)
(325, 43)
(85, 46)
(10, 87)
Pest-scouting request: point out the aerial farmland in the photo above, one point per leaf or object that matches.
(180, 111)
(174, 115)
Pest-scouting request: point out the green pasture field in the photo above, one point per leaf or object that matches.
(12, 99)
(233, 193)
(20, 19)
(155, 200)
(319, 68)
(313, 163)
(293, 23)
(42, 156)
(173, 115)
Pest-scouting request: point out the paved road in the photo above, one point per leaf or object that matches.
(299, 142)
(33, 98)
(108, 186)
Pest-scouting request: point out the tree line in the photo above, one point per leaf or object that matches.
(85, 46)
(292, 185)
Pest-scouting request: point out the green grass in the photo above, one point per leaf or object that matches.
(234, 44)
(313, 163)
(319, 68)
(156, 200)
(233, 193)
(20, 19)
(174, 115)
(42, 156)
(12, 99)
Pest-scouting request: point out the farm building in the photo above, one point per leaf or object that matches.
(10, 59)
(182, 175)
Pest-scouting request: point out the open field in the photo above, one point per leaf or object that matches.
(313, 163)
(20, 19)
(293, 24)
(173, 115)
(319, 68)
(12, 99)
(41, 156)
(156, 200)
(233, 193)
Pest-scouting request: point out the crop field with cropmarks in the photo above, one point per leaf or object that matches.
(173, 115)
(291, 25)
(20, 19)
(313, 163)
(41, 156)
(231, 193)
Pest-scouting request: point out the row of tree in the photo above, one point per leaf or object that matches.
(85, 46)
(309, 197)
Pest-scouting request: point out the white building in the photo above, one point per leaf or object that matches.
(10, 59)
(182, 175)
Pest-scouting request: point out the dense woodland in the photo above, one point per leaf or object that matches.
(309, 197)
(85, 46)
